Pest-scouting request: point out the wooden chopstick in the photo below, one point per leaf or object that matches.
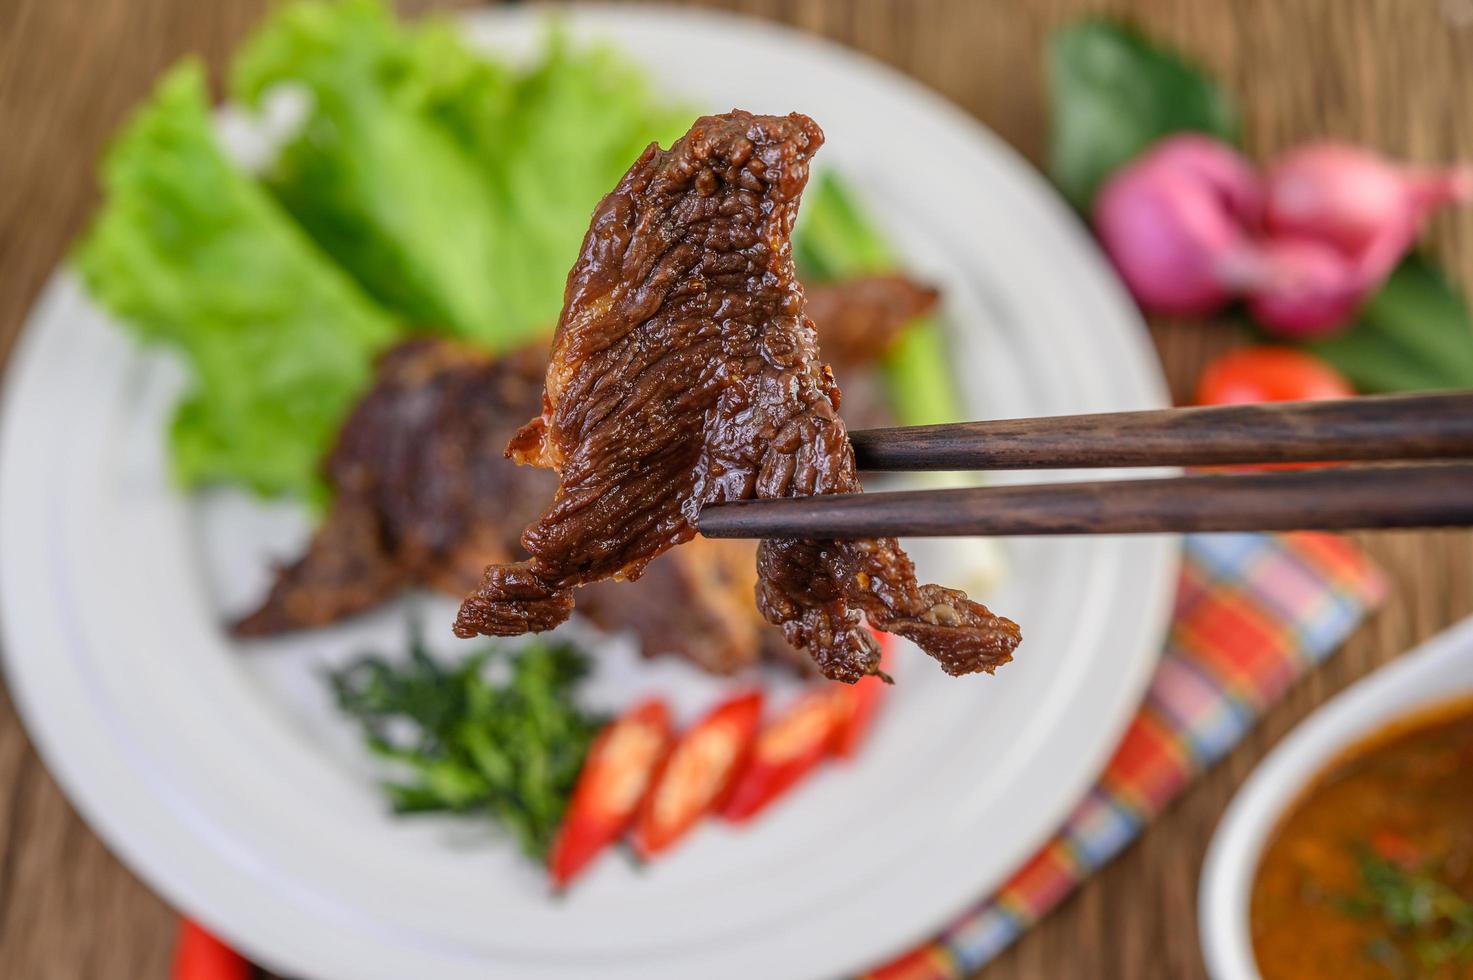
(1337, 498)
(1381, 428)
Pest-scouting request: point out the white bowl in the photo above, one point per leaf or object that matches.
(1439, 670)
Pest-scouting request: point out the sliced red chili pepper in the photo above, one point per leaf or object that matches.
(786, 751)
(699, 774)
(622, 764)
(857, 704)
(198, 955)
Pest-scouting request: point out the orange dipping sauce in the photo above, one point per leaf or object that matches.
(1371, 873)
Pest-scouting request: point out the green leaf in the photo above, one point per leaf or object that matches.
(1417, 906)
(190, 253)
(414, 799)
(834, 239)
(455, 188)
(918, 378)
(1112, 92)
(380, 187)
(1414, 334)
(580, 119)
(429, 188)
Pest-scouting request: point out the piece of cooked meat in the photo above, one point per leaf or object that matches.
(695, 601)
(422, 492)
(684, 372)
(860, 319)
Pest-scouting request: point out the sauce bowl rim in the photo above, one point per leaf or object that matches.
(1438, 671)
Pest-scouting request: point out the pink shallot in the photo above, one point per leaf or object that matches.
(1176, 223)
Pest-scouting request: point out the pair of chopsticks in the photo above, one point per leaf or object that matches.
(1381, 429)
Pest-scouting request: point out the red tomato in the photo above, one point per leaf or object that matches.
(858, 703)
(198, 955)
(699, 774)
(785, 752)
(1269, 374)
(621, 765)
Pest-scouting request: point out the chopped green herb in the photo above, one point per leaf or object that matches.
(1421, 913)
(508, 747)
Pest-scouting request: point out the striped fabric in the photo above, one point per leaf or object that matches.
(1253, 613)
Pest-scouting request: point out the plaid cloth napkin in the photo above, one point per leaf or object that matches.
(1253, 613)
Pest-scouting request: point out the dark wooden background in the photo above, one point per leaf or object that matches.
(1397, 74)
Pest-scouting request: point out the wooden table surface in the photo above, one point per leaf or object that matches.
(1396, 74)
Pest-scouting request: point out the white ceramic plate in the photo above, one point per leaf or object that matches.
(1438, 671)
(225, 780)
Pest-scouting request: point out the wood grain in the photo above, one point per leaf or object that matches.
(1392, 73)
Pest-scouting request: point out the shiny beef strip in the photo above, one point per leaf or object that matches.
(402, 516)
(685, 373)
(696, 601)
(422, 494)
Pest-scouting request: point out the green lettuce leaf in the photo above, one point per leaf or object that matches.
(430, 187)
(192, 254)
(581, 118)
(381, 187)
(455, 189)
